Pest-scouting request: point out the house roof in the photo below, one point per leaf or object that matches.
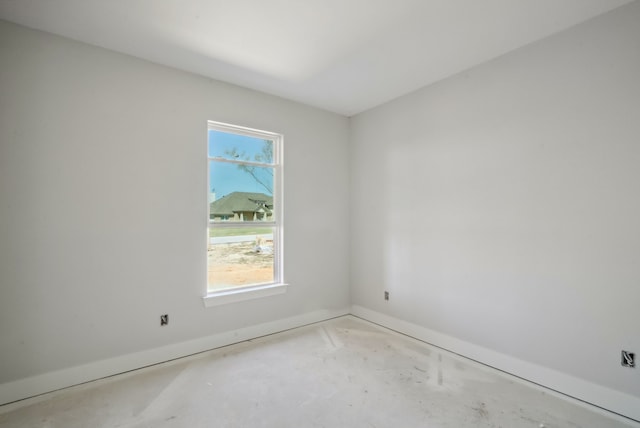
(236, 202)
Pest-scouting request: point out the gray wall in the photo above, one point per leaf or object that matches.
(103, 204)
(501, 206)
(498, 207)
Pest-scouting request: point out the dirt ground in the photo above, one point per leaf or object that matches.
(238, 264)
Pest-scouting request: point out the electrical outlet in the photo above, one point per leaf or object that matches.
(386, 295)
(628, 359)
(164, 319)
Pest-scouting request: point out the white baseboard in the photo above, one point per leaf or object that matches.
(52, 381)
(600, 396)
(597, 395)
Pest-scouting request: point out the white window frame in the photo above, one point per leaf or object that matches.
(278, 286)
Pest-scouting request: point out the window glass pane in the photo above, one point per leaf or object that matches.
(240, 257)
(240, 192)
(238, 147)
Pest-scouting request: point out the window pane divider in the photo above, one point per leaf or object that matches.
(242, 162)
(243, 224)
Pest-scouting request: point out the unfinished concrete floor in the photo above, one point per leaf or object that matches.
(339, 373)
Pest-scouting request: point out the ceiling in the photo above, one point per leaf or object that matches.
(344, 56)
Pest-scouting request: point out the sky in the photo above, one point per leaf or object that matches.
(227, 177)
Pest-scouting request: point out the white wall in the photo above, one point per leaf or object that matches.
(501, 206)
(103, 204)
(498, 207)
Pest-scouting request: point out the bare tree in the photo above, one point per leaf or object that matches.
(262, 175)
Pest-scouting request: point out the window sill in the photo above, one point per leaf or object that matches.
(224, 297)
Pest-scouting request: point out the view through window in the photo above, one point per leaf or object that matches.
(244, 232)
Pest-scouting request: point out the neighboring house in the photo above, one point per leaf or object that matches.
(242, 206)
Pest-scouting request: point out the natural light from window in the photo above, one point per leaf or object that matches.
(244, 203)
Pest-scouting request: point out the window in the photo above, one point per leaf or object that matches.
(244, 251)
